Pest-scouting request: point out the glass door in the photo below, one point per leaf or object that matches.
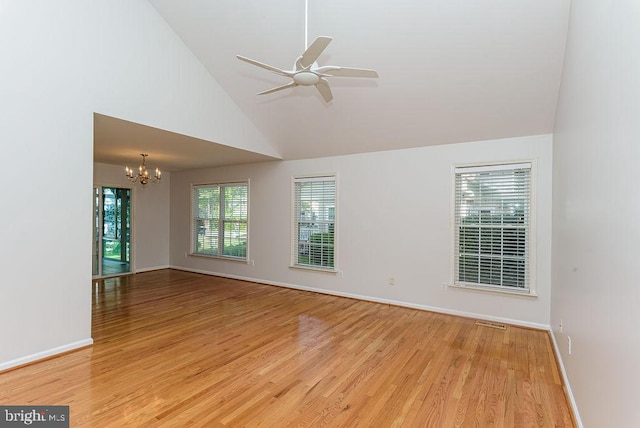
(111, 231)
(97, 221)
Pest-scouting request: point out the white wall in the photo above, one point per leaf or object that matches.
(150, 215)
(394, 213)
(596, 227)
(61, 62)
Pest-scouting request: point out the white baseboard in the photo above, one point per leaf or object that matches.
(149, 269)
(565, 379)
(45, 354)
(375, 299)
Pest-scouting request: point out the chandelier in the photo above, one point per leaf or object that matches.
(143, 175)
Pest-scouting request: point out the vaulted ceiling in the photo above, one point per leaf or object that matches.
(450, 70)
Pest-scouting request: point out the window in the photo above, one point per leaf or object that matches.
(314, 216)
(220, 220)
(492, 226)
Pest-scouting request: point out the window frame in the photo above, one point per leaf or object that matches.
(294, 241)
(531, 235)
(221, 220)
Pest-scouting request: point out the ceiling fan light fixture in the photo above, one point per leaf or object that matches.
(306, 78)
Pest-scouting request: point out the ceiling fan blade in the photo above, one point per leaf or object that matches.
(312, 53)
(324, 89)
(265, 66)
(332, 70)
(279, 88)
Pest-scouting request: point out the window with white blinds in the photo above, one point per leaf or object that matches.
(492, 226)
(314, 216)
(220, 220)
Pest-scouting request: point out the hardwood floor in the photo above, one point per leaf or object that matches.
(180, 349)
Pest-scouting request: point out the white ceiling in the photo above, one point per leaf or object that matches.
(450, 70)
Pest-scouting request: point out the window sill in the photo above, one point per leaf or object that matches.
(315, 269)
(211, 256)
(528, 294)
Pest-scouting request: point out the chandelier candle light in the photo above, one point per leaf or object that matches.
(143, 175)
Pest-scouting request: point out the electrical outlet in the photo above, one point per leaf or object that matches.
(569, 344)
(392, 280)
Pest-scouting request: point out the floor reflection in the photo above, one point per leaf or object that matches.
(114, 267)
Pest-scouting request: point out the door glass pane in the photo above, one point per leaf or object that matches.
(95, 252)
(115, 230)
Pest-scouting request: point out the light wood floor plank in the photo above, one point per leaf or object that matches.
(181, 349)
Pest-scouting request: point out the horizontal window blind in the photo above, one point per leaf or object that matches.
(220, 220)
(314, 211)
(234, 220)
(206, 209)
(492, 223)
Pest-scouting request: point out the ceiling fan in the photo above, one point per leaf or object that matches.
(306, 71)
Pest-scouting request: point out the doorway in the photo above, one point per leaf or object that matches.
(111, 231)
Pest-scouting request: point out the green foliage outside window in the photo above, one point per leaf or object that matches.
(320, 250)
